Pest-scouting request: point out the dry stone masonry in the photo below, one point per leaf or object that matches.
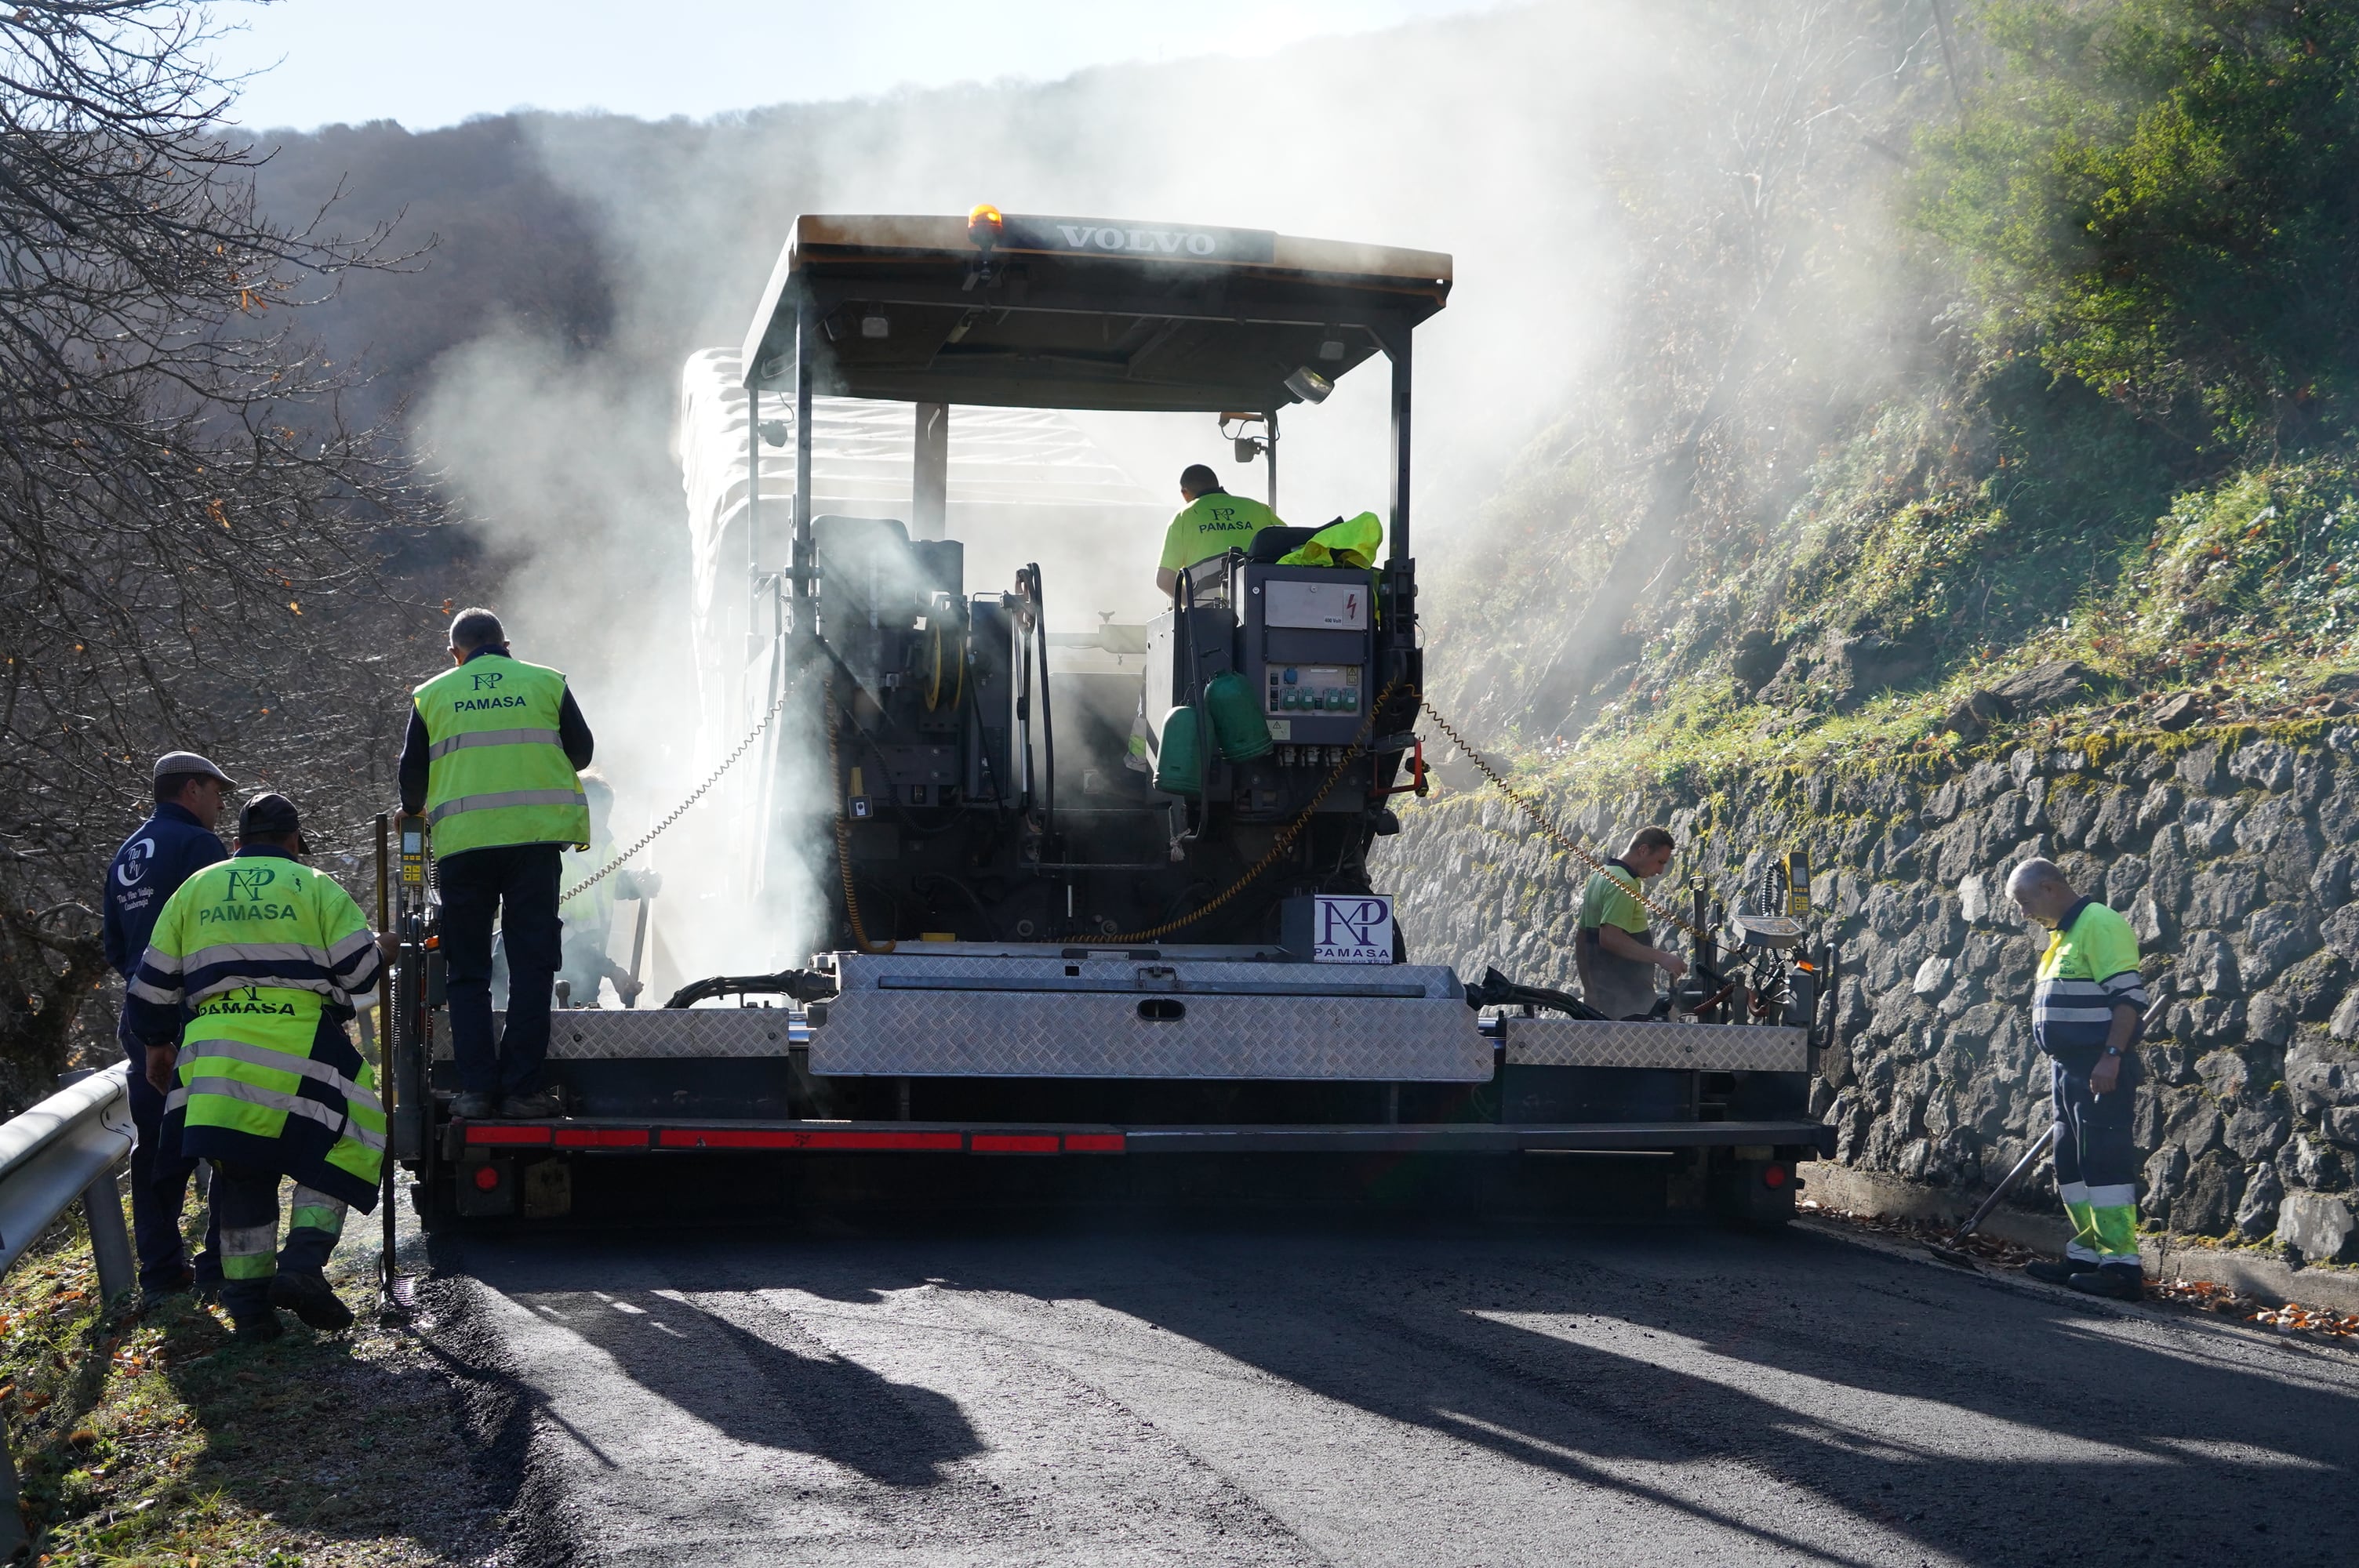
(2231, 852)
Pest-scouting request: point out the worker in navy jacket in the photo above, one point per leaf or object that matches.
(174, 844)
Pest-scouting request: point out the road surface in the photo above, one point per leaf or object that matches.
(1310, 1393)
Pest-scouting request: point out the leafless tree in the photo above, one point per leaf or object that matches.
(192, 537)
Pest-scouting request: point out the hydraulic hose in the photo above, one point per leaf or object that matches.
(802, 985)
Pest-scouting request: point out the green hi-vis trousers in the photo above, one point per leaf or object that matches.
(245, 1204)
(2096, 1166)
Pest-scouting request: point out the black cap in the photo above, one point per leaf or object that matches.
(268, 816)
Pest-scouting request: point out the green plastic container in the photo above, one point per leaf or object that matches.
(1179, 761)
(1238, 727)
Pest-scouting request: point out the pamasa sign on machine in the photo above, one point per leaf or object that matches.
(1331, 928)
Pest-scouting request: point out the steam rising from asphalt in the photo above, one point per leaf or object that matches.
(1478, 136)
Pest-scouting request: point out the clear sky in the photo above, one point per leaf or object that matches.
(433, 62)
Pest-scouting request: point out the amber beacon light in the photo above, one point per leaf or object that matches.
(982, 226)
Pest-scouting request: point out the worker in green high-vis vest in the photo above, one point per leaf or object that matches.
(266, 954)
(494, 760)
(1211, 521)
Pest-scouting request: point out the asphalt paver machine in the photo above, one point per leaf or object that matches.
(1037, 967)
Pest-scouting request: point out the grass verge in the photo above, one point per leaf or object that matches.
(153, 1440)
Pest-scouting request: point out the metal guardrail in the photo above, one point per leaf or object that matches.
(65, 1148)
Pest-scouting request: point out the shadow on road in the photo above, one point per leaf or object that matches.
(1979, 1421)
(779, 1389)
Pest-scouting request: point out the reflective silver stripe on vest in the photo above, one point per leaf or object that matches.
(257, 952)
(444, 746)
(285, 1061)
(147, 993)
(271, 1099)
(506, 797)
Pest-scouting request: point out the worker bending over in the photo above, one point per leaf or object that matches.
(492, 759)
(2086, 1014)
(267, 955)
(1213, 523)
(1615, 952)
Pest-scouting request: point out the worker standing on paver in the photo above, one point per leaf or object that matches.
(2086, 1014)
(1615, 952)
(263, 956)
(176, 842)
(492, 759)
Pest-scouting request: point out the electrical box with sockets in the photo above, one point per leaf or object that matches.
(1313, 688)
(1306, 642)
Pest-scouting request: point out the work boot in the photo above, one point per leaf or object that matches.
(153, 1297)
(471, 1107)
(310, 1297)
(535, 1106)
(2115, 1281)
(257, 1328)
(2056, 1271)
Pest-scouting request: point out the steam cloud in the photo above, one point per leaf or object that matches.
(1479, 137)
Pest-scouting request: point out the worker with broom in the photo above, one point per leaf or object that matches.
(2085, 1014)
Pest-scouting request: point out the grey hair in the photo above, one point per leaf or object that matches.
(2038, 871)
(475, 627)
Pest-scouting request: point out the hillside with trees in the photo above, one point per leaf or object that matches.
(1830, 377)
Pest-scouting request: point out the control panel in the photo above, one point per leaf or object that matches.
(1312, 688)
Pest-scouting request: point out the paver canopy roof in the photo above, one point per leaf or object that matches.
(1082, 312)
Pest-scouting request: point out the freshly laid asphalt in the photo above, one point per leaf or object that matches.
(1316, 1393)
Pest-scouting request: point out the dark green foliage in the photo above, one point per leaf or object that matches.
(2161, 198)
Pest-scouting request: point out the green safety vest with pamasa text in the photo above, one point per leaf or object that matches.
(267, 954)
(1213, 524)
(495, 772)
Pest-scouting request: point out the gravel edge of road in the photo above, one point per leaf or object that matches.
(2017, 1283)
(494, 1411)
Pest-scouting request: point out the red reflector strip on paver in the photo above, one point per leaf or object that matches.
(1093, 1144)
(601, 1138)
(507, 1135)
(1014, 1143)
(780, 1138)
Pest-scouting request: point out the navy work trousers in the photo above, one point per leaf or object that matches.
(517, 883)
(159, 1187)
(2096, 1161)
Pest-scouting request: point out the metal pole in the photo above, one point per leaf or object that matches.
(110, 1240)
(385, 1051)
(930, 478)
(1270, 420)
(638, 951)
(13, 1539)
(102, 1208)
(753, 486)
(1397, 350)
(806, 345)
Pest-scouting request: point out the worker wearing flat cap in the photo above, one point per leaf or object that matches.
(175, 843)
(261, 955)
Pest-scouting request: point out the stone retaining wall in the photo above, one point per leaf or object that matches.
(2230, 851)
